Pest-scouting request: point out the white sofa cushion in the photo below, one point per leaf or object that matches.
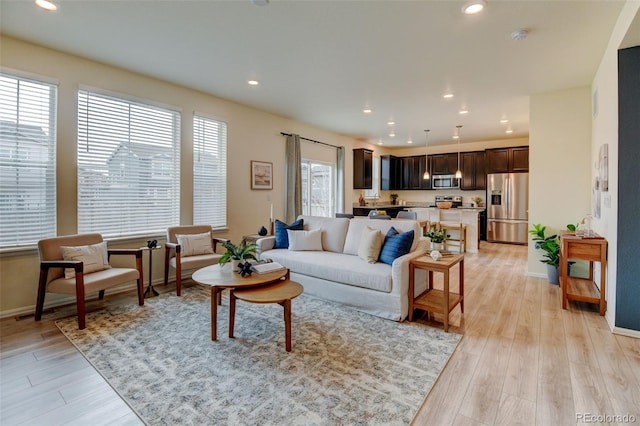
(344, 269)
(305, 240)
(370, 245)
(357, 226)
(334, 231)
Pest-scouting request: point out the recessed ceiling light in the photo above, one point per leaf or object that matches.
(409, 141)
(448, 95)
(474, 7)
(504, 121)
(380, 143)
(47, 5)
(464, 111)
(509, 130)
(367, 110)
(455, 137)
(391, 123)
(253, 82)
(392, 135)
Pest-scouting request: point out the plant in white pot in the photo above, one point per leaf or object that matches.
(437, 237)
(550, 245)
(238, 253)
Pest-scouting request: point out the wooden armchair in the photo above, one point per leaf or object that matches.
(79, 264)
(188, 247)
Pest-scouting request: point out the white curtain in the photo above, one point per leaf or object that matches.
(293, 184)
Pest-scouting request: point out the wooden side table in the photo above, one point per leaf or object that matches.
(593, 249)
(150, 291)
(432, 300)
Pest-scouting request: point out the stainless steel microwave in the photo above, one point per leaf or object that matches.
(445, 182)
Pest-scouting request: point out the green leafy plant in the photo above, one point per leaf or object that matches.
(572, 227)
(437, 235)
(238, 252)
(550, 245)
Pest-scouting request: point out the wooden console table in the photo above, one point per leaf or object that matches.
(593, 249)
(432, 300)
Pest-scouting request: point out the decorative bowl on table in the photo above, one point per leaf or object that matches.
(444, 204)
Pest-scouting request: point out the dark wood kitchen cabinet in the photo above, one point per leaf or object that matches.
(444, 164)
(390, 172)
(474, 174)
(362, 168)
(507, 160)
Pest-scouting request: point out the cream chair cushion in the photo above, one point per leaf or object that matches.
(94, 257)
(195, 244)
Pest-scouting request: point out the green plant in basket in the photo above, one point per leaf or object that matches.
(437, 235)
(238, 252)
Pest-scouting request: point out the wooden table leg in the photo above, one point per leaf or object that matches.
(446, 301)
(232, 312)
(412, 270)
(462, 286)
(214, 312)
(287, 324)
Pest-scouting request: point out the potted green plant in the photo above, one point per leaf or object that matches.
(237, 253)
(437, 237)
(550, 245)
(394, 197)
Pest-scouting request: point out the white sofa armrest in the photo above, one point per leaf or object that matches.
(265, 244)
(400, 269)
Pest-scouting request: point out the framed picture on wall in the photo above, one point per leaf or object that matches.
(261, 175)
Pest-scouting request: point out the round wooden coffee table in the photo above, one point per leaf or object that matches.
(281, 293)
(220, 278)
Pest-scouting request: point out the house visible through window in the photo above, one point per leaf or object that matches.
(27, 161)
(128, 166)
(318, 188)
(209, 172)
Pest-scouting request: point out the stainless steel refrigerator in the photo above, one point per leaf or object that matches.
(507, 207)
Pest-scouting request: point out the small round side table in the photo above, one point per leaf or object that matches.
(150, 291)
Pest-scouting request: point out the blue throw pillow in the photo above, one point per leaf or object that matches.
(395, 245)
(282, 239)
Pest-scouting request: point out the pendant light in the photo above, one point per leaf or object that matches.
(458, 172)
(426, 176)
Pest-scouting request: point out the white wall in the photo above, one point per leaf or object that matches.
(605, 130)
(559, 162)
(252, 135)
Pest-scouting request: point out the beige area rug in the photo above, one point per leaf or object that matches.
(345, 367)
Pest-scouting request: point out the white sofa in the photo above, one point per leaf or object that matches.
(338, 274)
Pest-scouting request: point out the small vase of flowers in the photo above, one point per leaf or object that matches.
(437, 237)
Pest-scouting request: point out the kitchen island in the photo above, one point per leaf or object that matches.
(468, 215)
(391, 209)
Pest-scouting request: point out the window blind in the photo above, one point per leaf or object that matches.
(128, 166)
(209, 172)
(27, 161)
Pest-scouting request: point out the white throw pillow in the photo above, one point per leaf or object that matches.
(305, 240)
(94, 257)
(195, 244)
(370, 244)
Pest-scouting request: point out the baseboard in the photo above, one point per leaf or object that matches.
(626, 332)
(67, 300)
(537, 275)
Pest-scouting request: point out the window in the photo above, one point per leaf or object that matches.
(27, 161)
(128, 166)
(375, 175)
(209, 172)
(318, 188)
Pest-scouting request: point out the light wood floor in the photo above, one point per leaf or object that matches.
(523, 360)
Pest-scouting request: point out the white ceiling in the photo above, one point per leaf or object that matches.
(323, 62)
